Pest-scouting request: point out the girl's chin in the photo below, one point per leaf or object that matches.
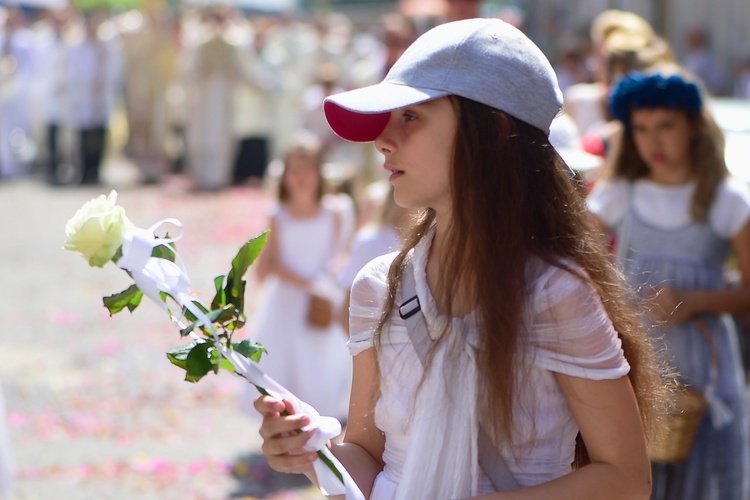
(403, 201)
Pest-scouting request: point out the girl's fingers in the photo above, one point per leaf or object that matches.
(276, 427)
(290, 444)
(293, 464)
(267, 405)
(289, 407)
(282, 438)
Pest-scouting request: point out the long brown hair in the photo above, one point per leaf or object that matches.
(514, 200)
(706, 150)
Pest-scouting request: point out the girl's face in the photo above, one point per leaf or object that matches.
(418, 145)
(663, 137)
(301, 175)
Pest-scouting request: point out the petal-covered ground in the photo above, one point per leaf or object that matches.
(94, 409)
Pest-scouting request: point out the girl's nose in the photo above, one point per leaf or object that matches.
(384, 143)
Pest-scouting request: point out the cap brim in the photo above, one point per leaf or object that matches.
(361, 115)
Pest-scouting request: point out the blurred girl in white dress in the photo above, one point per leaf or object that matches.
(311, 361)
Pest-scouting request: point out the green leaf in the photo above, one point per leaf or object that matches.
(178, 356)
(216, 316)
(219, 282)
(189, 315)
(129, 299)
(194, 358)
(166, 252)
(235, 287)
(249, 349)
(225, 364)
(198, 362)
(220, 299)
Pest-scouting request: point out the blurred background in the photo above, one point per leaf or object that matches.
(186, 107)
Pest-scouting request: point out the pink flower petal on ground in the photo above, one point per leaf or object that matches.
(50, 420)
(123, 439)
(147, 465)
(64, 317)
(161, 466)
(84, 471)
(30, 473)
(84, 421)
(16, 419)
(110, 347)
(110, 469)
(197, 467)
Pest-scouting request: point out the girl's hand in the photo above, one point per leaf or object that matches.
(282, 438)
(670, 305)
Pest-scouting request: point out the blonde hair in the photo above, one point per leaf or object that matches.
(612, 20)
(625, 51)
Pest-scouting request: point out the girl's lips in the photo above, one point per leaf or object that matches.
(658, 158)
(396, 174)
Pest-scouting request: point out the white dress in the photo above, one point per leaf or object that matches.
(569, 333)
(661, 244)
(313, 363)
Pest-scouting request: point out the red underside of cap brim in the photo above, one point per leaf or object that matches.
(353, 126)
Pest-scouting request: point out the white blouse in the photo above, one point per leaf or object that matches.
(569, 332)
(668, 207)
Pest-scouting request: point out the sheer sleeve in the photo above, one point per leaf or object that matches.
(571, 331)
(730, 211)
(369, 290)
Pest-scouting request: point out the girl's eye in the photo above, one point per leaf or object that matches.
(409, 117)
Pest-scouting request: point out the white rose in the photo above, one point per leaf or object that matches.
(97, 229)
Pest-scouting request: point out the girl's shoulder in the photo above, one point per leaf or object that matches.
(368, 295)
(734, 189)
(374, 274)
(568, 326)
(560, 292)
(560, 278)
(730, 211)
(608, 200)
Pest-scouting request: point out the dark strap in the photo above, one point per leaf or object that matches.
(491, 462)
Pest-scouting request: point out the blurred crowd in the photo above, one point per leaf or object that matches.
(215, 92)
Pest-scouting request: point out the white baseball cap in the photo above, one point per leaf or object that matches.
(485, 60)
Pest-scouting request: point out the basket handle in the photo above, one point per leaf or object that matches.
(721, 414)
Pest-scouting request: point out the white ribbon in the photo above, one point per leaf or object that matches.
(153, 275)
(721, 413)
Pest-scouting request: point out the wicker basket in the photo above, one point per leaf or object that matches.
(674, 437)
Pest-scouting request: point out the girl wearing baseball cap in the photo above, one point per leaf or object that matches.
(497, 350)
